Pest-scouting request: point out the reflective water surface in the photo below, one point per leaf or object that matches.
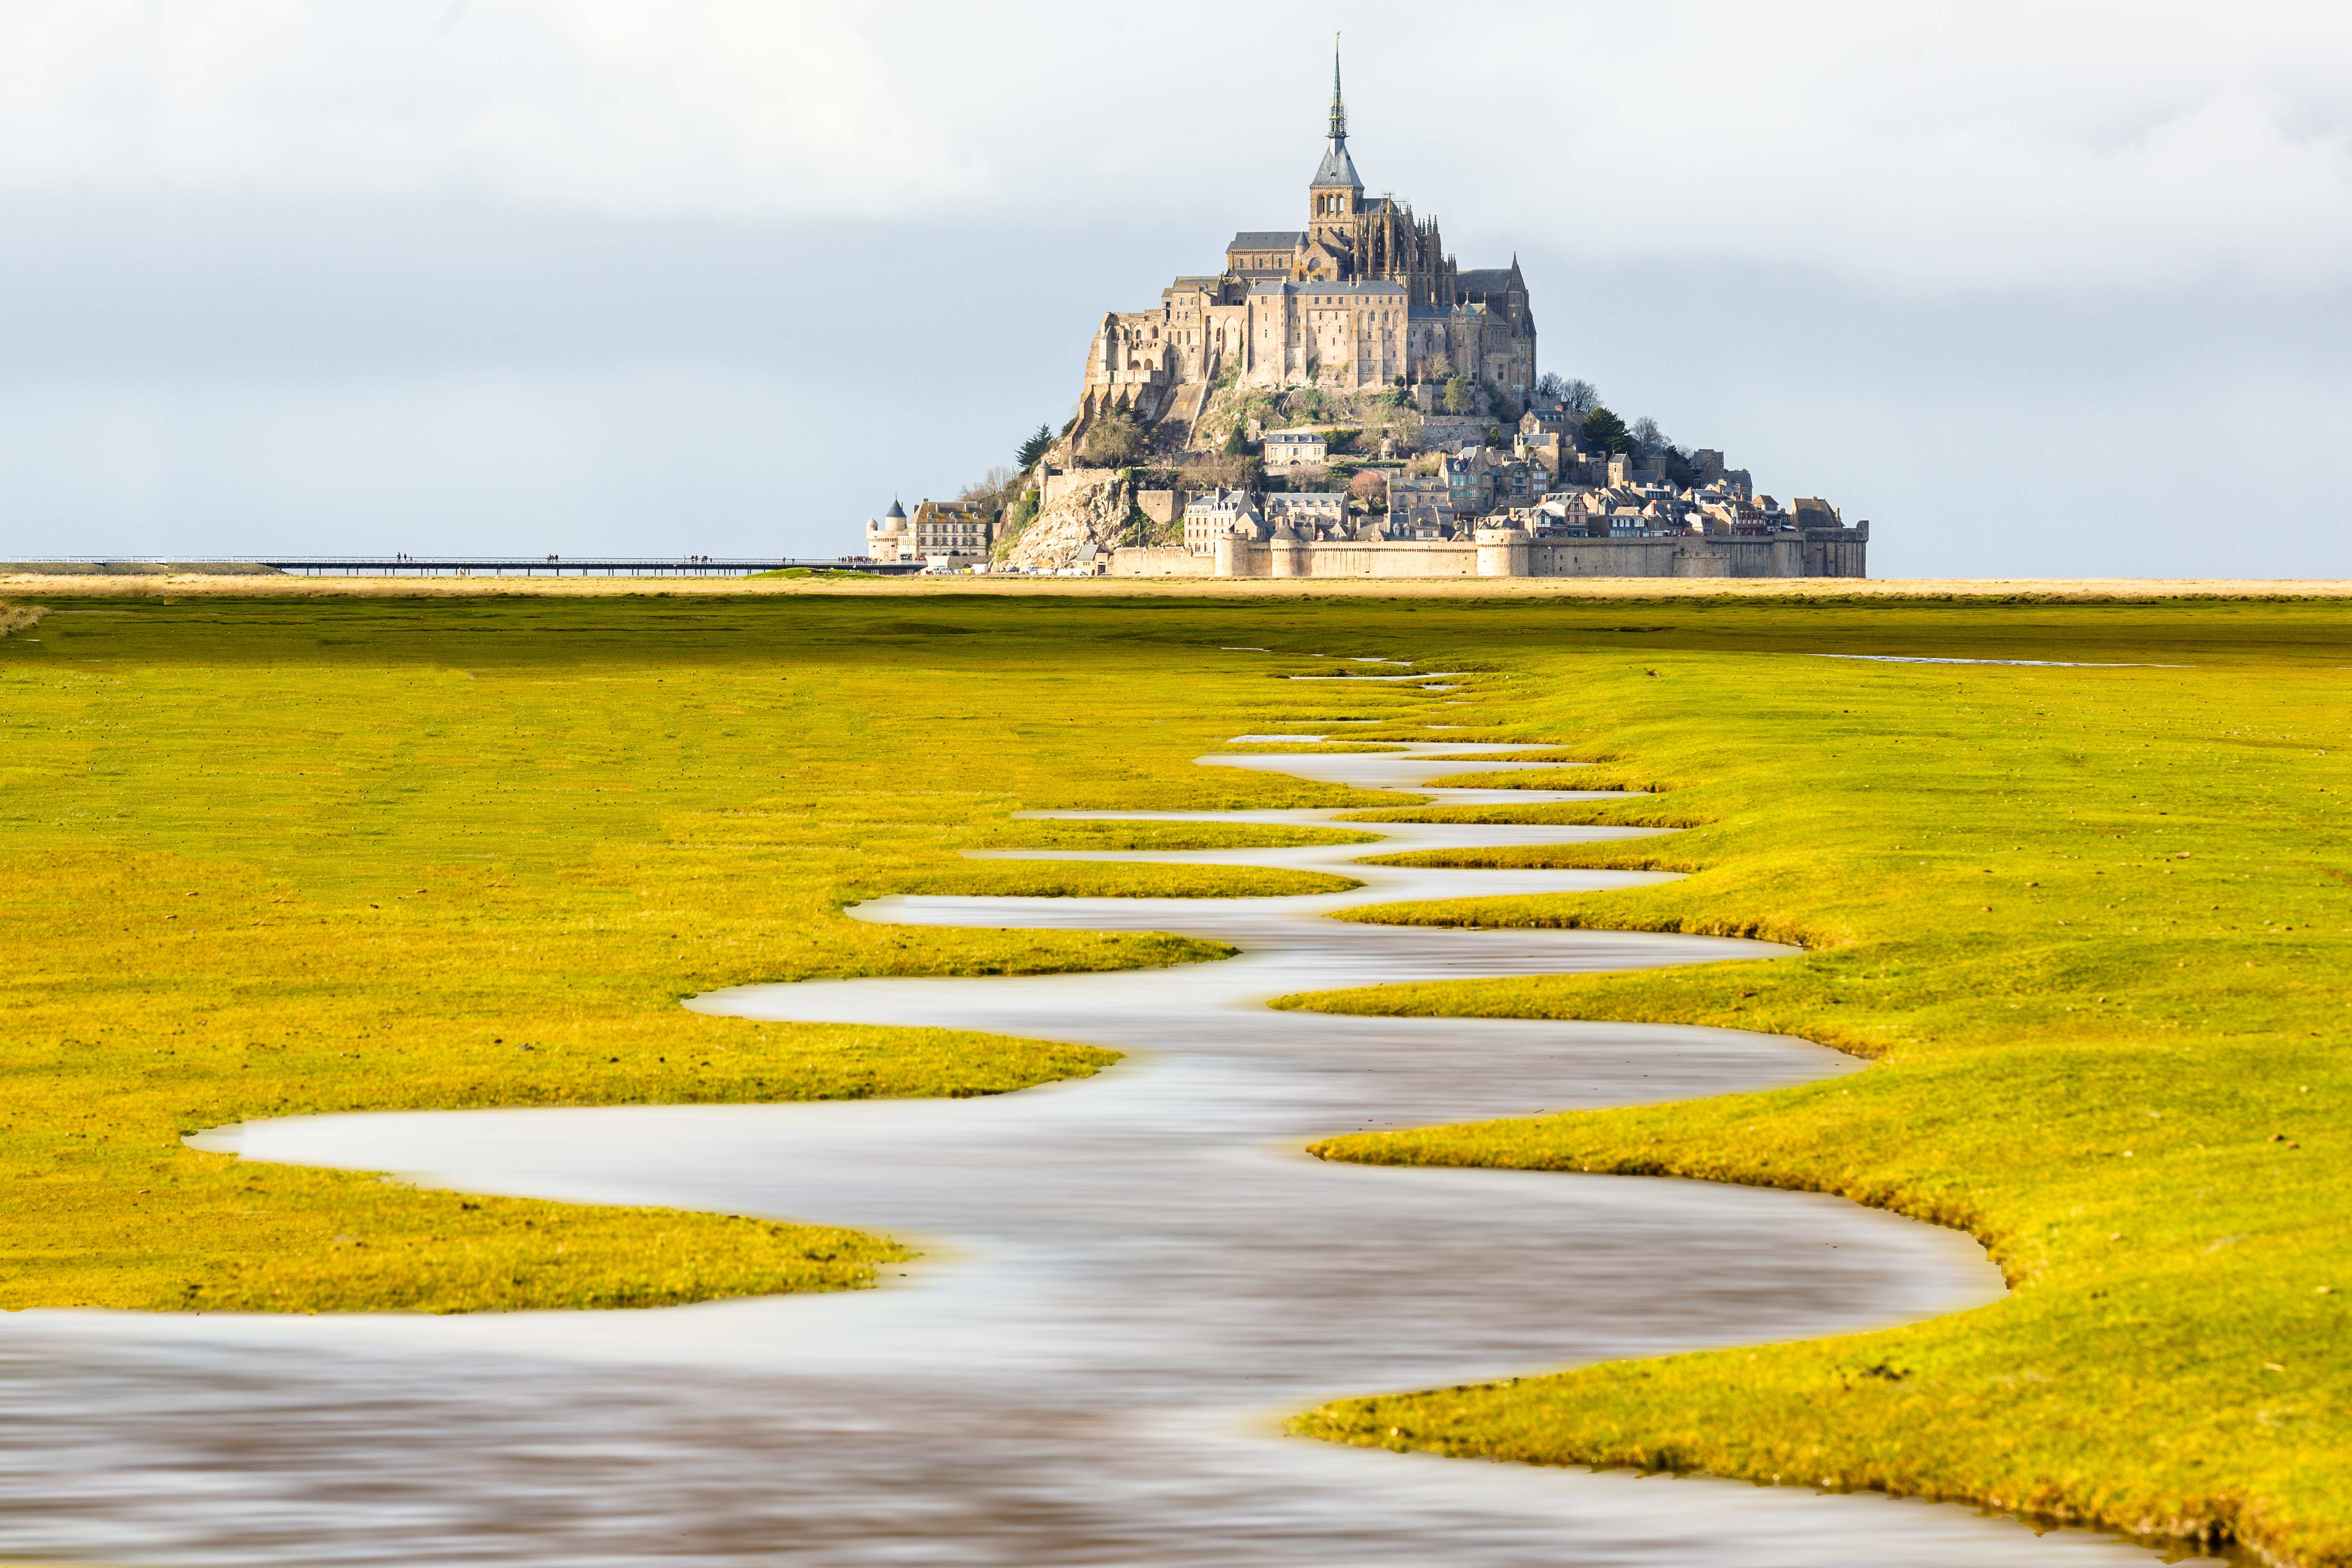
(1128, 1281)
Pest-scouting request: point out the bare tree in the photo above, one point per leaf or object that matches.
(1579, 397)
(991, 486)
(989, 493)
(1645, 431)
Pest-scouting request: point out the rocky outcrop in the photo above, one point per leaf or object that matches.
(1374, 413)
(1089, 509)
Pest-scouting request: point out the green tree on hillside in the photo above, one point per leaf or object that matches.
(1457, 395)
(1606, 431)
(1034, 449)
(1115, 442)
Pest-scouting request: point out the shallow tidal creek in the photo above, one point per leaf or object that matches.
(1128, 1281)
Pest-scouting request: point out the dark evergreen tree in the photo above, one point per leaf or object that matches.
(1034, 448)
(1606, 431)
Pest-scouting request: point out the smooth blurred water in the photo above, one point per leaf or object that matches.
(1130, 1280)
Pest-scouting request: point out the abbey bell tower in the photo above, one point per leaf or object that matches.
(1336, 195)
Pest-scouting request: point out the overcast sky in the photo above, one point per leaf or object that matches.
(2040, 289)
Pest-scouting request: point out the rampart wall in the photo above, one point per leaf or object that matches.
(1814, 552)
(1160, 561)
(1162, 506)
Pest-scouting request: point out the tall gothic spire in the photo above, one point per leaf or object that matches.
(1338, 104)
(1337, 169)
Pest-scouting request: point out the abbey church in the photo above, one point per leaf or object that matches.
(1362, 295)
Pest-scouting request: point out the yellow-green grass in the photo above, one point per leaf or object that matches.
(2093, 927)
(1081, 878)
(275, 858)
(1054, 834)
(614, 802)
(1307, 747)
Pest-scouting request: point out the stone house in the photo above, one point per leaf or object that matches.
(1296, 448)
(1308, 513)
(1407, 493)
(1544, 449)
(1628, 468)
(1469, 481)
(1518, 482)
(1546, 426)
(1213, 513)
(949, 533)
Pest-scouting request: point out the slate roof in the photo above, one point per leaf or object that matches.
(1484, 280)
(1337, 168)
(1267, 240)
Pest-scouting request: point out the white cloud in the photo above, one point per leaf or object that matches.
(1933, 149)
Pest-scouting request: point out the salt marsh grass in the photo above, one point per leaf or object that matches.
(2091, 925)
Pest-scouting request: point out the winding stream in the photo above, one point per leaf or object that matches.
(1128, 1281)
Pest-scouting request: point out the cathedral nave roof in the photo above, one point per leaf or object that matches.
(1484, 280)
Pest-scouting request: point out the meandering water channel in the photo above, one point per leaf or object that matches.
(1128, 1281)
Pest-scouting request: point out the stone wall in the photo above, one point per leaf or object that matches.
(1435, 558)
(1813, 553)
(1451, 433)
(1162, 506)
(1160, 561)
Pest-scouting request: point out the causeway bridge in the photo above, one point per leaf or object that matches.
(404, 565)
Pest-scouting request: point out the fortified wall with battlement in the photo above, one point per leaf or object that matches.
(1514, 553)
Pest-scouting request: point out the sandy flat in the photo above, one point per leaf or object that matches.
(34, 586)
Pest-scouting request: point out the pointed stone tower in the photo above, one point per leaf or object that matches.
(1336, 196)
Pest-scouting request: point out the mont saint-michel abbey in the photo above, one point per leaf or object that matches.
(1363, 295)
(1343, 400)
